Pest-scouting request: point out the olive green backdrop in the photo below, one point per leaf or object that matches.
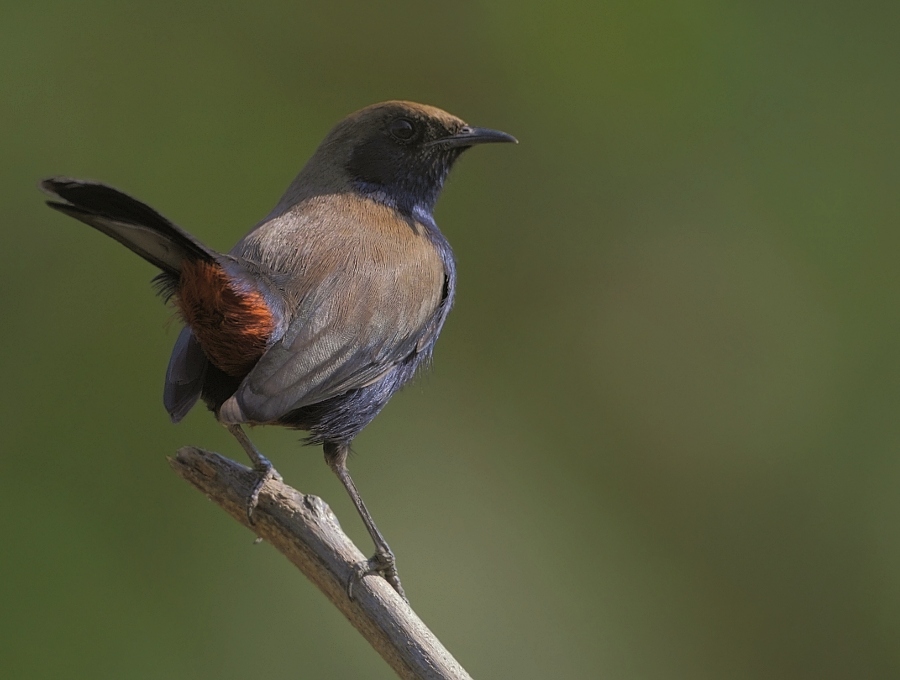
(661, 437)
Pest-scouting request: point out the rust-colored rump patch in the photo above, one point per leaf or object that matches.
(232, 326)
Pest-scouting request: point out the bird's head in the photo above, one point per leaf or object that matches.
(400, 151)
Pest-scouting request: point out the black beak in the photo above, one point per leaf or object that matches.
(470, 136)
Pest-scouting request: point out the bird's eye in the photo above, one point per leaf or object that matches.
(403, 129)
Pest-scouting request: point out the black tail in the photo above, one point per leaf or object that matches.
(130, 222)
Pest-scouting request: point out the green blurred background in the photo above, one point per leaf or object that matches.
(661, 436)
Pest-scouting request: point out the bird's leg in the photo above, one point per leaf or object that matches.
(382, 562)
(261, 465)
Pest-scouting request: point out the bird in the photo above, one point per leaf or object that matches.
(327, 307)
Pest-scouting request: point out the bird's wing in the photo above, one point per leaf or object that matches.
(361, 285)
(346, 336)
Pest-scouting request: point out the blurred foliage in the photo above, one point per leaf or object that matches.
(660, 439)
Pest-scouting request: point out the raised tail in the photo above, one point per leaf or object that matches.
(161, 243)
(132, 223)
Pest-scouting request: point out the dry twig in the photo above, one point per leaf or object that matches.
(305, 530)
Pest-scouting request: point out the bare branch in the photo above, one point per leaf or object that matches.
(306, 531)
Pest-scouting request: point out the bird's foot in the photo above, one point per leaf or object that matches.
(383, 564)
(266, 472)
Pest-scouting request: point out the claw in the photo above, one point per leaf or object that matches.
(264, 469)
(381, 564)
(266, 473)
